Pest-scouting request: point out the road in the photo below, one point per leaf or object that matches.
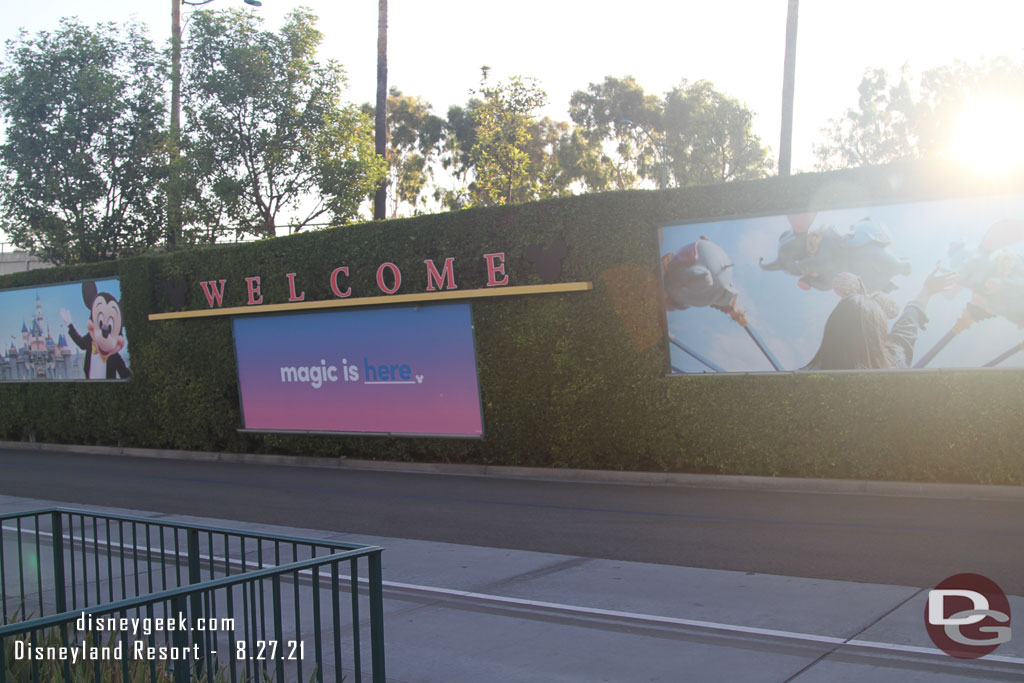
(908, 541)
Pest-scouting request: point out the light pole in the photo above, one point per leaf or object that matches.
(660, 146)
(788, 86)
(380, 125)
(173, 188)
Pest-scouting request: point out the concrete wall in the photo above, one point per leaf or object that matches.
(17, 261)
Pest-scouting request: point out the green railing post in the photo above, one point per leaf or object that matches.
(179, 639)
(193, 556)
(376, 617)
(189, 603)
(275, 586)
(59, 589)
(194, 577)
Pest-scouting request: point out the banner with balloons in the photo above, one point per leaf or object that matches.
(936, 284)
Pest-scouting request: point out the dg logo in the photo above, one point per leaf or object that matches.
(967, 616)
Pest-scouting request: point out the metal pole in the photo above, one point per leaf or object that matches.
(380, 125)
(376, 587)
(788, 86)
(59, 588)
(173, 189)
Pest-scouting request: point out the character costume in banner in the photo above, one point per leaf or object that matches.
(105, 338)
(857, 335)
(818, 256)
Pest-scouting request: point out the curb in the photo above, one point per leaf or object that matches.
(706, 481)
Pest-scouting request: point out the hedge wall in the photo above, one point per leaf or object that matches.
(567, 380)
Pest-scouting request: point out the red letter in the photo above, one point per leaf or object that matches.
(254, 290)
(447, 273)
(291, 289)
(495, 269)
(395, 272)
(334, 282)
(213, 293)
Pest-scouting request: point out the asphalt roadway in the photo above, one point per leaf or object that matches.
(882, 539)
(491, 578)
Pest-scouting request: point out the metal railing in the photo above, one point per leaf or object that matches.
(96, 596)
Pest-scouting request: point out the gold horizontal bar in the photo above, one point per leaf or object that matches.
(380, 300)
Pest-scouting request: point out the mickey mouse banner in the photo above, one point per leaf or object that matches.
(65, 332)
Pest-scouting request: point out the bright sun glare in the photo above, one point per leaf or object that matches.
(989, 136)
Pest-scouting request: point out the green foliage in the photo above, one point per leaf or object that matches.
(506, 122)
(81, 168)
(695, 135)
(266, 132)
(710, 137)
(613, 118)
(567, 380)
(415, 137)
(879, 131)
(908, 118)
(459, 141)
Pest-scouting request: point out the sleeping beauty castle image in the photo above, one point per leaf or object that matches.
(39, 357)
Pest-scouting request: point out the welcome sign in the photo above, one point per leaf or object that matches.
(400, 370)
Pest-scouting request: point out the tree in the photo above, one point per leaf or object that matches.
(709, 137)
(551, 165)
(266, 131)
(908, 118)
(83, 161)
(615, 120)
(694, 135)
(497, 149)
(456, 160)
(506, 121)
(882, 129)
(415, 136)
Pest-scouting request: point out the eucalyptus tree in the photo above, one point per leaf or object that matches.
(693, 135)
(915, 117)
(415, 137)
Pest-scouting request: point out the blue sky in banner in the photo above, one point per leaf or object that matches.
(18, 307)
(791, 320)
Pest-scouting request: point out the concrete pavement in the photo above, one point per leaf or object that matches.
(465, 613)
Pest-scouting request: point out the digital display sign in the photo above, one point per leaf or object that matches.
(397, 370)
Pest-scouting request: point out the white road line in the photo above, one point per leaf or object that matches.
(596, 611)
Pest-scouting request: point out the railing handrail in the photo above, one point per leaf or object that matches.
(185, 526)
(187, 591)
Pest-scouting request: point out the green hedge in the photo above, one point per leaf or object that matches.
(567, 380)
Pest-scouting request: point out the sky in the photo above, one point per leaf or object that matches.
(436, 49)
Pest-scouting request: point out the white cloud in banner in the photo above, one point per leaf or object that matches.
(760, 239)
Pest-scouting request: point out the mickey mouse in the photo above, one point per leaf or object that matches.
(106, 335)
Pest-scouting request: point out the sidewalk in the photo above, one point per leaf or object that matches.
(463, 613)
